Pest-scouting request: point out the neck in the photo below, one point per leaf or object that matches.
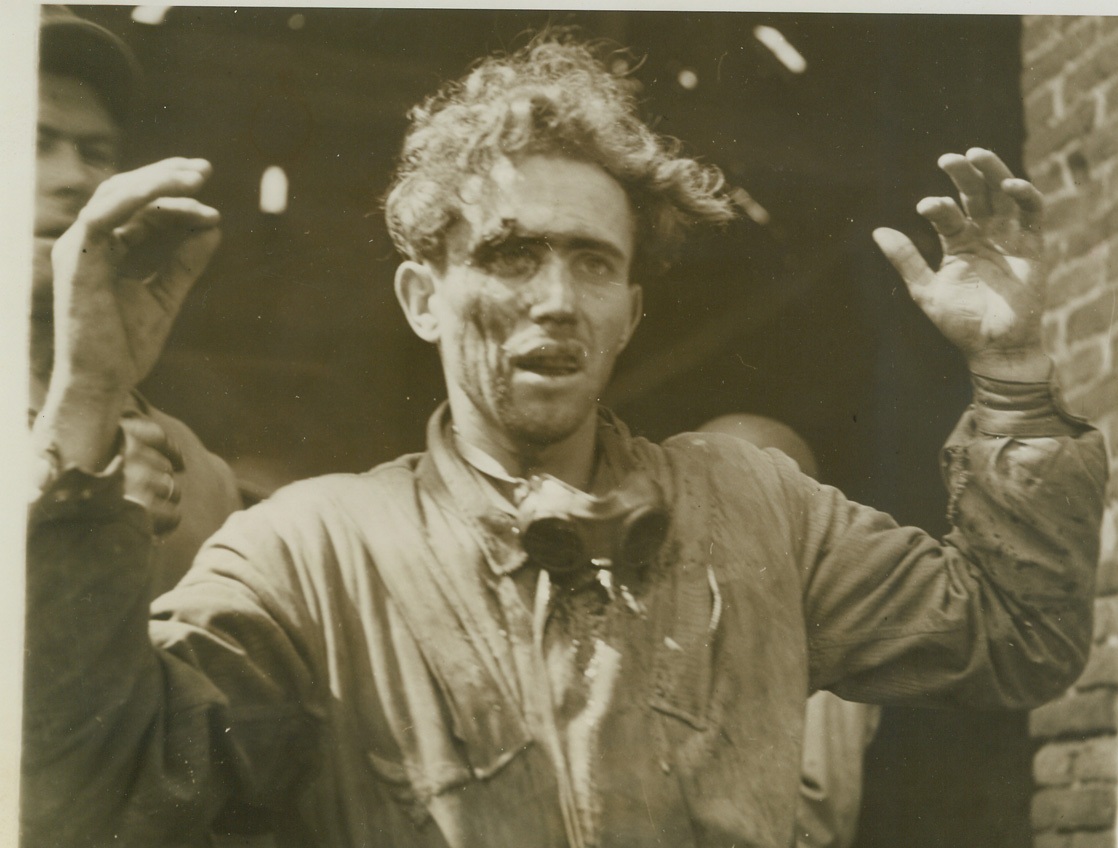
(571, 459)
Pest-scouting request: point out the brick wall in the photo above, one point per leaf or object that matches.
(1070, 86)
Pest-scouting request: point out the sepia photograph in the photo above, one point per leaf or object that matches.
(488, 428)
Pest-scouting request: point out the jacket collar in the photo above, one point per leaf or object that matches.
(490, 517)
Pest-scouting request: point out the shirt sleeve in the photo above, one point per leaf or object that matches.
(138, 731)
(998, 614)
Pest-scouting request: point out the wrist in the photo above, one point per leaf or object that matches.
(1030, 365)
(78, 423)
(1021, 409)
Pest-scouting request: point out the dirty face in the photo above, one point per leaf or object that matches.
(535, 303)
(78, 148)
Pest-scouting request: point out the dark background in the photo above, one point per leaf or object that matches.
(292, 358)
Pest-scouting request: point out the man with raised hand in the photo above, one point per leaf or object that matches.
(87, 90)
(542, 630)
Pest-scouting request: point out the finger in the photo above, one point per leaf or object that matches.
(171, 490)
(165, 213)
(151, 434)
(903, 255)
(187, 263)
(995, 172)
(148, 472)
(151, 237)
(121, 196)
(150, 484)
(1029, 200)
(990, 165)
(971, 184)
(166, 510)
(944, 214)
(174, 455)
(165, 517)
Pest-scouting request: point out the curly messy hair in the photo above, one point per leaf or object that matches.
(555, 96)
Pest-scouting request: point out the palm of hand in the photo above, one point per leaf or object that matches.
(148, 305)
(984, 297)
(120, 321)
(987, 296)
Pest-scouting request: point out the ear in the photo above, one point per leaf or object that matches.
(636, 310)
(415, 290)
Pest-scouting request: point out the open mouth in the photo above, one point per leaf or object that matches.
(548, 366)
(551, 360)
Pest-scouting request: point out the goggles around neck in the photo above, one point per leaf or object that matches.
(565, 530)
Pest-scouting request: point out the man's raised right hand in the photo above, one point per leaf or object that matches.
(121, 273)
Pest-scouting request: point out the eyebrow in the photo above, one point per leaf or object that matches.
(510, 230)
(52, 132)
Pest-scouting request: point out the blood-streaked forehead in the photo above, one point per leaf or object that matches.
(543, 195)
(487, 198)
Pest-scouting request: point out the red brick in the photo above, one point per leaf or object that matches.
(1064, 23)
(1093, 318)
(1083, 807)
(1049, 175)
(1083, 28)
(1102, 145)
(1098, 839)
(1052, 62)
(1038, 33)
(1076, 714)
(1054, 764)
(1084, 367)
(1097, 760)
(1073, 279)
(1110, 98)
(1040, 106)
(1106, 618)
(1101, 670)
(1050, 335)
(1063, 213)
(1077, 121)
(1099, 65)
(1099, 230)
(1106, 579)
(1097, 402)
(1093, 401)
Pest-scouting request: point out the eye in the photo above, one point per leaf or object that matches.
(99, 154)
(596, 267)
(45, 142)
(511, 259)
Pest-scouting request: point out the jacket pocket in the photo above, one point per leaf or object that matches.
(415, 785)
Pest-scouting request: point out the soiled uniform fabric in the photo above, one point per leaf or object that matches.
(208, 495)
(368, 660)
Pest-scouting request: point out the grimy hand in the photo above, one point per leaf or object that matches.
(988, 294)
(151, 460)
(121, 273)
(123, 269)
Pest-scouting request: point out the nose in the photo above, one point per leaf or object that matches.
(553, 292)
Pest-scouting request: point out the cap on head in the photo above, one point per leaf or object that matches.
(73, 46)
(766, 432)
